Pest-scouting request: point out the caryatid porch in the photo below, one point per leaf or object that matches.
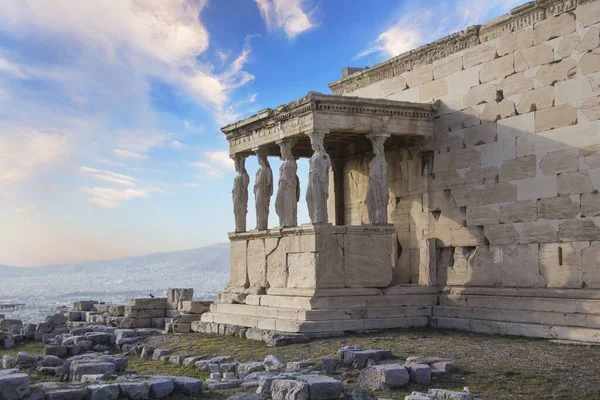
(299, 278)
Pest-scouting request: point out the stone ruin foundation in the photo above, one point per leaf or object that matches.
(455, 185)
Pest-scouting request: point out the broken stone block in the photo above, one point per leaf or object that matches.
(419, 373)
(284, 389)
(103, 392)
(66, 394)
(380, 377)
(161, 388)
(14, 386)
(55, 350)
(135, 390)
(321, 387)
(187, 386)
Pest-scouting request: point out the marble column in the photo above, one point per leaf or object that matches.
(263, 190)
(377, 191)
(317, 192)
(239, 193)
(288, 190)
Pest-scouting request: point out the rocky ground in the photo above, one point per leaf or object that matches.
(144, 363)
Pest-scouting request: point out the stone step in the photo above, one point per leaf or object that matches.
(342, 302)
(518, 329)
(563, 305)
(285, 325)
(322, 314)
(524, 316)
(336, 292)
(525, 292)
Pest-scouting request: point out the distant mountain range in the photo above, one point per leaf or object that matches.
(205, 269)
(210, 257)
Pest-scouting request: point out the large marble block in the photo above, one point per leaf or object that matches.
(312, 257)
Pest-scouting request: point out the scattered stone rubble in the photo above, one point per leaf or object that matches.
(174, 313)
(85, 374)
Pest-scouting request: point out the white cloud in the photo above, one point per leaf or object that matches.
(6, 67)
(291, 16)
(420, 24)
(137, 39)
(220, 158)
(214, 165)
(110, 198)
(109, 176)
(25, 152)
(176, 144)
(129, 154)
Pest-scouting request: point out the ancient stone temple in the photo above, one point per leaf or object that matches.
(455, 185)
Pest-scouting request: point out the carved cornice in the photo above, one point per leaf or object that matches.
(311, 230)
(268, 121)
(405, 62)
(519, 18)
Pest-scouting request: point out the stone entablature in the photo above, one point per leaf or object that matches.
(519, 17)
(312, 257)
(345, 117)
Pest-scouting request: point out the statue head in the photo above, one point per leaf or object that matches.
(239, 162)
(286, 150)
(316, 141)
(261, 156)
(377, 142)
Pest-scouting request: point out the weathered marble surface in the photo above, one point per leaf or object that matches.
(288, 190)
(240, 194)
(263, 190)
(317, 192)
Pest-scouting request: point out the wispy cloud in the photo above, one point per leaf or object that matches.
(420, 23)
(214, 165)
(220, 158)
(291, 16)
(110, 198)
(109, 176)
(25, 152)
(132, 155)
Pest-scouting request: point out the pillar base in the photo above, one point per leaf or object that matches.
(326, 311)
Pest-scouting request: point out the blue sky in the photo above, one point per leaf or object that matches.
(110, 111)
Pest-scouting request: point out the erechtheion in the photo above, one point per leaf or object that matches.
(455, 185)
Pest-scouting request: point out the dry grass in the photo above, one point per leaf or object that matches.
(497, 367)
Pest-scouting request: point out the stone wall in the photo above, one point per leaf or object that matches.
(511, 193)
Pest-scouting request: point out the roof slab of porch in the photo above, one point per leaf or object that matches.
(343, 120)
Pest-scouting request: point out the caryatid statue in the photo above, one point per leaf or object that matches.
(288, 191)
(317, 191)
(377, 192)
(263, 190)
(240, 193)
